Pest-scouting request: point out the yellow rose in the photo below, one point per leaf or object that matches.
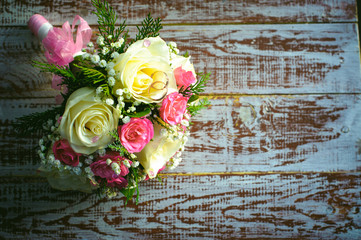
(158, 151)
(86, 123)
(145, 70)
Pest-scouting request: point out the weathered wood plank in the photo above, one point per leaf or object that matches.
(253, 59)
(237, 134)
(312, 206)
(191, 11)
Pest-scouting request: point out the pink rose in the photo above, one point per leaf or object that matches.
(135, 134)
(173, 107)
(64, 153)
(118, 182)
(102, 169)
(183, 78)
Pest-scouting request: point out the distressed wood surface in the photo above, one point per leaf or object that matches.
(190, 11)
(252, 59)
(317, 206)
(276, 155)
(297, 133)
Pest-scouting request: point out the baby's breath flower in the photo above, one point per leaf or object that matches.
(95, 59)
(51, 157)
(77, 170)
(110, 65)
(111, 81)
(90, 44)
(132, 109)
(101, 152)
(86, 56)
(109, 161)
(88, 161)
(120, 99)
(114, 55)
(105, 50)
(110, 37)
(185, 123)
(115, 168)
(100, 40)
(121, 41)
(57, 163)
(135, 164)
(132, 155)
(99, 90)
(109, 101)
(119, 91)
(163, 132)
(125, 90)
(172, 44)
(89, 171)
(111, 72)
(126, 163)
(126, 119)
(103, 63)
(136, 103)
(117, 45)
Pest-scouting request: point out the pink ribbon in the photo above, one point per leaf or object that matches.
(59, 44)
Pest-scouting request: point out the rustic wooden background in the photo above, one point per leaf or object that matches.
(277, 155)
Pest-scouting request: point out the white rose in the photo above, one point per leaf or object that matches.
(158, 151)
(145, 70)
(86, 123)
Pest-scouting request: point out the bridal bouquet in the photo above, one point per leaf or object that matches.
(124, 106)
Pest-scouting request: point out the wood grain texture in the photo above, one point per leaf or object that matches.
(312, 206)
(251, 59)
(277, 155)
(237, 134)
(190, 11)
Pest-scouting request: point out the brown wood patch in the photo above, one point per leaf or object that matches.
(311, 206)
(190, 11)
(238, 134)
(252, 59)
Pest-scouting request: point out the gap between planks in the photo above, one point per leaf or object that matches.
(220, 95)
(165, 175)
(203, 24)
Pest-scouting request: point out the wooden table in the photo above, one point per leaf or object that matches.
(277, 155)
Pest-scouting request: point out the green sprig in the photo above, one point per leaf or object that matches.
(63, 71)
(149, 28)
(195, 108)
(107, 18)
(196, 88)
(35, 122)
(116, 145)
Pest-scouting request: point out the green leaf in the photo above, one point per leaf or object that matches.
(193, 98)
(139, 114)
